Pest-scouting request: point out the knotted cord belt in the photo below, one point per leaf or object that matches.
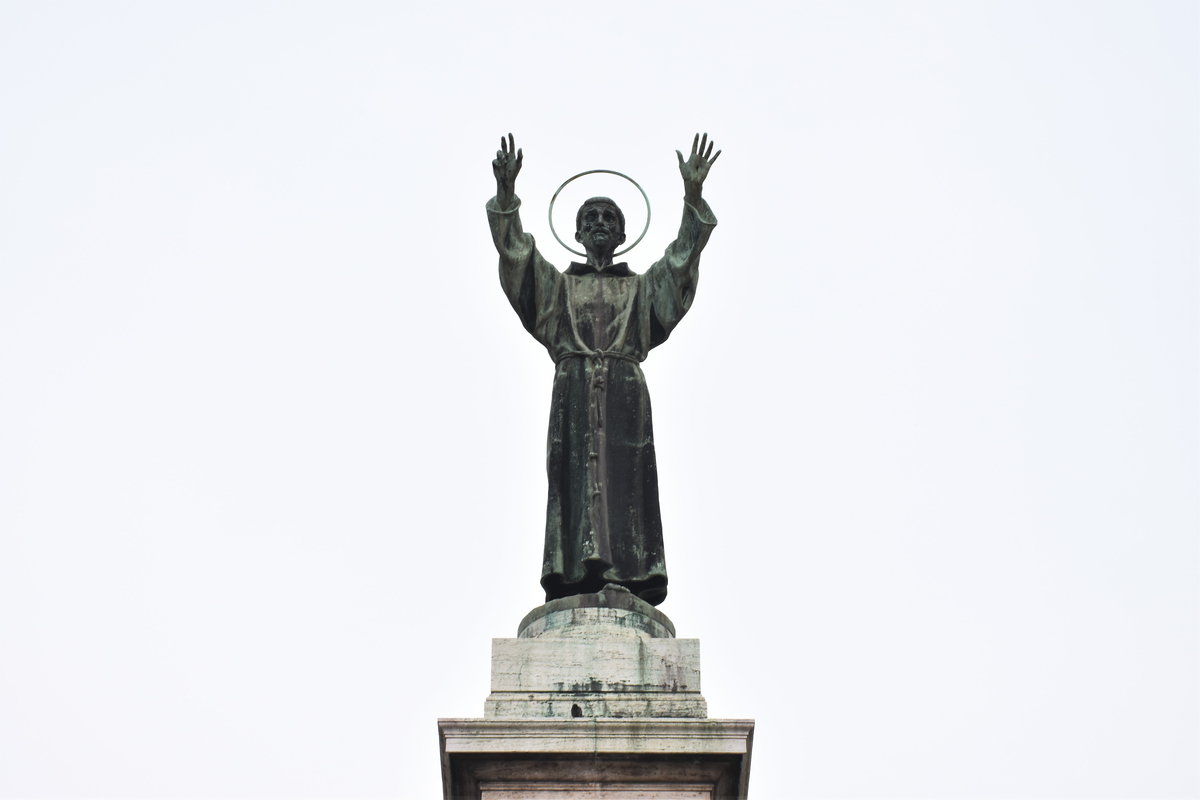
(597, 358)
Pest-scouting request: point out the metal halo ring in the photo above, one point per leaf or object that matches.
(610, 172)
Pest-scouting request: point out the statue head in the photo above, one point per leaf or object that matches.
(599, 227)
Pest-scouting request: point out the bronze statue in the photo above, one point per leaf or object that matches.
(599, 321)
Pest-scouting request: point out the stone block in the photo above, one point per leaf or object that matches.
(601, 655)
(595, 698)
(556, 759)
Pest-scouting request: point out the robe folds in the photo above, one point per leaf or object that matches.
(602, 516)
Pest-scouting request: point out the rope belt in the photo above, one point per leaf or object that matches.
(597, 356)
(596, 384)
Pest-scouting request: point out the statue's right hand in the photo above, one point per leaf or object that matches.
(506, 166)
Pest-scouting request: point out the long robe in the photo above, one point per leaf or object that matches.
(602, 517)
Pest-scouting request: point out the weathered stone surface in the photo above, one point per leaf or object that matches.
(596, 698)
(584, 704)
(606, 654)
(617, 676)
(613, 605)
(592, 758)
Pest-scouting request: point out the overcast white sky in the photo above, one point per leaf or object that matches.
(272, 439)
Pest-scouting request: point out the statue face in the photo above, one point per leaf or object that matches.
(599, 229)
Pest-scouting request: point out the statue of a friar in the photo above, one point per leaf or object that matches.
(599, 321)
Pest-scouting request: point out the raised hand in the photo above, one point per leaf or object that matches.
(506, 166)
(696, 168)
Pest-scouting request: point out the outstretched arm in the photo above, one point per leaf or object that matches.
(671, 281)
(514, 245)
(528, 280)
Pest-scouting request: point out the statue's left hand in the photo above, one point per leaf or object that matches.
(696, 168)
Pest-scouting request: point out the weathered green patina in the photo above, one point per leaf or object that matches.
(598, 321)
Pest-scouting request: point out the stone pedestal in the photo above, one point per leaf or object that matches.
(595, 698)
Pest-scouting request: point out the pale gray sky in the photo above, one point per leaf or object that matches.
(272, 440)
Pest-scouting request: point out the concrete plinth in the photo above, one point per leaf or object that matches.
(595, 698)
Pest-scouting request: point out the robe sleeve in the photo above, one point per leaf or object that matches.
(671, 281)
(529, 281)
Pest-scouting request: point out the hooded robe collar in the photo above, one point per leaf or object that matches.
(620, 270)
